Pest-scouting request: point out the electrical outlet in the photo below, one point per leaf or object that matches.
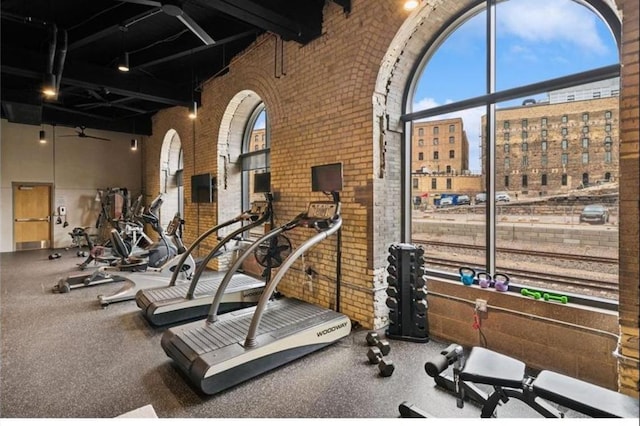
(481, 305)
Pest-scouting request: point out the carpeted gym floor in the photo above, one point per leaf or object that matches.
(63, 356)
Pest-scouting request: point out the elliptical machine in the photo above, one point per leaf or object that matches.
(160, 258)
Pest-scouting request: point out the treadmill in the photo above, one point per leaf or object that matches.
(178, 302)
(228, 349)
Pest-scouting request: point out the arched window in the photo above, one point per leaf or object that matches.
(255, 157)
(522, 62)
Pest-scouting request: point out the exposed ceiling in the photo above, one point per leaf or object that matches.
(172, 46)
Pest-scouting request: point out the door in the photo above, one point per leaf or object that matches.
(31, 213)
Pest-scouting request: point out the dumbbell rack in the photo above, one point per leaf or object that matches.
(407, 294)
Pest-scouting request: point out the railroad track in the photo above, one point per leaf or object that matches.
(525, 276)
(537, 253)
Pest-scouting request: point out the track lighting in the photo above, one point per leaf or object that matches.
(123, 64)
(43, 137)
(134, 144)
(411, 4)
(49, 86)
(193, 111)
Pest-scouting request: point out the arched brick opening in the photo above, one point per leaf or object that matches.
(170, 163)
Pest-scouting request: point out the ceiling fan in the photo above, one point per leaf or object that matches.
(81, 134)
(174, 8)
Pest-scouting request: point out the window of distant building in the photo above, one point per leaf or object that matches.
(543, 145)
(565, 131)
(544, 133)
(452, 139)
(543, 180)
(525, 181)
(564, 144)
(585, 143)
(565, 159)
(420, 156)
(563, 179)
(415, 183)
(436, 130)
(525, 147)
(420, 131)
(448, 183)
(435, 141)
(585, 117)
(452, 154)
(435, 155)
(525, 123)
(607, 128)
(452, 128)
(607, 115)
(506, 181)
(506, 136)
(420, 142)
(506, 163)
(565, 119)
(448, 169)
(585, 158)
(585, 129)
(506, 124)
(434, 183)
(544, 160)
(525, 161)
(543, 121)
(525, 134)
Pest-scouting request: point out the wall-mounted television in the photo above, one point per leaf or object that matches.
(326, 178)
(202, 188)
(262, 182)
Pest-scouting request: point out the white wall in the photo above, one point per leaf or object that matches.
(76, 167)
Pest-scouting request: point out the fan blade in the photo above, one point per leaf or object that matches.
(144, 2)
(196, 29)
(96, 137)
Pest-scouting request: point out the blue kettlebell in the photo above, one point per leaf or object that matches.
(467, 275)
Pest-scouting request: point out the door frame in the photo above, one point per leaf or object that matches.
(13, 210)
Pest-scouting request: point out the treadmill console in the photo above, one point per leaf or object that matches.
(258, 208)
(320, 215)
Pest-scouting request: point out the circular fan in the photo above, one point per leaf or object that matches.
(273, 252)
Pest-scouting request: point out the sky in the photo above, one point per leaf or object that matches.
(536, 40)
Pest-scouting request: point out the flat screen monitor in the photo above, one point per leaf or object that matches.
(326, 178)
(202, 187)
(262, 182)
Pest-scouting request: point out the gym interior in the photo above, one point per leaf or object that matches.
(297, 168)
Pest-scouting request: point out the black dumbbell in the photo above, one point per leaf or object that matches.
(386, 367)
(375, 355)
(374, 340)
(421, 306)
(54, 256)
(421, 292)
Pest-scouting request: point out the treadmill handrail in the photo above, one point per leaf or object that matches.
(185, 255)
(250, 340)
(242, 216)
(217, 299)
(212, 253)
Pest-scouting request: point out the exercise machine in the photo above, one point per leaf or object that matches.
(156, 273)
(158, 258)
(228, 349)
(508, 378)
(178, 302)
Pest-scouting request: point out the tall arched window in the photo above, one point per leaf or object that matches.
(255, 154)
(500, 70)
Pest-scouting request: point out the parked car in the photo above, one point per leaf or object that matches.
(481, 198)
(503, 196)
(464, 199)
(595, 213)
(446, 202)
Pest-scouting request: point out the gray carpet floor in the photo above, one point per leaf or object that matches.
(63, 356)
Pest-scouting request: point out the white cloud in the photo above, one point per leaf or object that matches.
(549, 21)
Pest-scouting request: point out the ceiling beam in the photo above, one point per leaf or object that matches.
(195, 50)
(29, 64)
(112, 29)
(252, 13)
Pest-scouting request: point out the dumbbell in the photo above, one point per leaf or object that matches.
(382, 345)
(386, 367)
(54, 256)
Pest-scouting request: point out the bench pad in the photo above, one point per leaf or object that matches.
(586, 398)
(491, 368)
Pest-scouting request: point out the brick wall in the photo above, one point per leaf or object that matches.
(629, 200)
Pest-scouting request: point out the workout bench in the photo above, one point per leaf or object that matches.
(508, 378)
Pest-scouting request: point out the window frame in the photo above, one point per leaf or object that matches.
(493, 97)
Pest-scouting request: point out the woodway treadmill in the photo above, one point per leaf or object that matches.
(178, 302)
(231, 348)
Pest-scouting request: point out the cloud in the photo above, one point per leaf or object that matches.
(550, 21)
